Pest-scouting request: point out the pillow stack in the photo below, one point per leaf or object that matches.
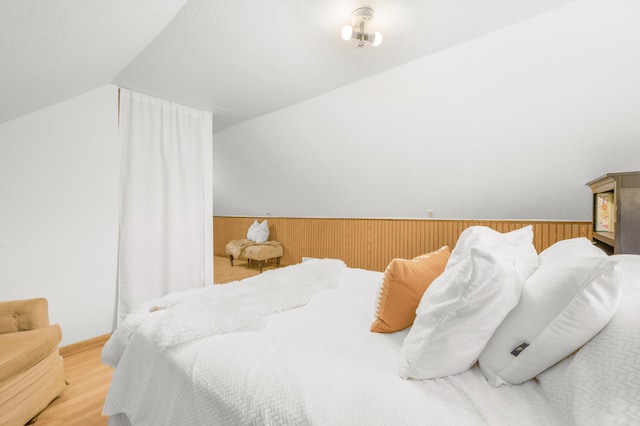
(566, 301)
(462, 308)
(258, 232)
(403, 284)
(516, 313)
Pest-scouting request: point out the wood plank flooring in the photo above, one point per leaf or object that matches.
(223, 272)
(89, 378)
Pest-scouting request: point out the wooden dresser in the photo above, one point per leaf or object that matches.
(616, 212)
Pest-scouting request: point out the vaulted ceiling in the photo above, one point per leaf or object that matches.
(238, 59)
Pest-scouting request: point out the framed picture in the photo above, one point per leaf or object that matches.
(605, 212)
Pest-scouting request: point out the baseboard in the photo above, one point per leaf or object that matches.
(84, 345)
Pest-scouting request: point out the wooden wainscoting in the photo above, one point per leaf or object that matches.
(372, 243)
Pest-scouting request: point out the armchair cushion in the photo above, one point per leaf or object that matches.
(22, 350)
(32, 389)
(31, 369)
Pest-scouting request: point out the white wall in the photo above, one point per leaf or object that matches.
(508, 126)
(58, 211)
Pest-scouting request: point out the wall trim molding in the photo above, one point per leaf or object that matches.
(84, 345)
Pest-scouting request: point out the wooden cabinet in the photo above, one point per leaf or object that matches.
(616, 212)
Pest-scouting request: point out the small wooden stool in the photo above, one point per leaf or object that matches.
(250, 250)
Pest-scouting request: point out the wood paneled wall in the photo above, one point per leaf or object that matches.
(372, 243)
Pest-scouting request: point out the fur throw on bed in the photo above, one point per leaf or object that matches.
(216, 309)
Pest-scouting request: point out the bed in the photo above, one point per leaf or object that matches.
(294, 346)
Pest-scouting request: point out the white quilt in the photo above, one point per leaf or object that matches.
(316, 365)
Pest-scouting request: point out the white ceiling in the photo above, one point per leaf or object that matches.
(236, 58)
(52, 50)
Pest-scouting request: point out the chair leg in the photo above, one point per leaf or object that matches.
(260, 263)
(278, 261)
(231, 259)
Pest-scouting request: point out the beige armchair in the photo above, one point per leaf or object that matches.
(31, 369)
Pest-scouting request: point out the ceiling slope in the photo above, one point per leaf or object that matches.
(238, 59)
(53, 50)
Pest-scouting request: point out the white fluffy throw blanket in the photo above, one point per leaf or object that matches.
(216, 309)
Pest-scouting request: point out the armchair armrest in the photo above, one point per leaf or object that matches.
(22, 315)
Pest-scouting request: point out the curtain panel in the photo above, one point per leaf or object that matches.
(165, 210)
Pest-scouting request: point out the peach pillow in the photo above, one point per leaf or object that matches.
(403, 284)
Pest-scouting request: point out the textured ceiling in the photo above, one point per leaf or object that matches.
(51, 50)
(236, 58)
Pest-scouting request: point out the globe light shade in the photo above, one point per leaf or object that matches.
(346, 32)
(377, 38)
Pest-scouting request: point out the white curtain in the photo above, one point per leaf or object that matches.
(165, 241)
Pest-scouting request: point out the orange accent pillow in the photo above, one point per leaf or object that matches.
(403, 284)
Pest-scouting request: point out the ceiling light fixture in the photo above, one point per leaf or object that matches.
(359, 18)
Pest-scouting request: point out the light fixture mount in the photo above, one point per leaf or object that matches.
(362, 16)
(359, 19)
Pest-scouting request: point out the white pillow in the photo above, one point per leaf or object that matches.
(258, 232)
(459, 312)
(564, 303)
(521, 241)
(572, 247)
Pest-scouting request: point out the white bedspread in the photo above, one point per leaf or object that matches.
(600, 384)
(315, 365)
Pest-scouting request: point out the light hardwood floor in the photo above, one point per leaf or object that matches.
(223, 272)
(89, 378)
